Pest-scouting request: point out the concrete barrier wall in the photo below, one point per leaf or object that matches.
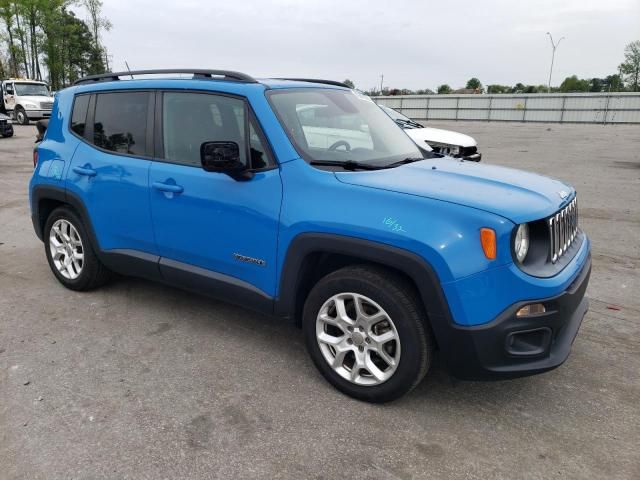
(601, 108)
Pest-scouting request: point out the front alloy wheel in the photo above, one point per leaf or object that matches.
(358, 339)
(367, 333)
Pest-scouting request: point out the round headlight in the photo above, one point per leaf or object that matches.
(521, 242)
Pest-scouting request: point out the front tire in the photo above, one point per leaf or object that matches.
(21, 116)
(366, 332)
(70, 253)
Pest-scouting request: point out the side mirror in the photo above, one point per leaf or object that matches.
(223, 157)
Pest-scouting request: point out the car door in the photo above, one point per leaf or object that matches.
(110, 167)
(214, 232)
(9, 96)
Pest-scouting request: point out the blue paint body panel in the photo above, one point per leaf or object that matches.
(216, 217)
(433, 208)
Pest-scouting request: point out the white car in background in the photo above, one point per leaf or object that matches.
(446, 142)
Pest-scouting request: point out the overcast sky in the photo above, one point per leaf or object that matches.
(415, 44)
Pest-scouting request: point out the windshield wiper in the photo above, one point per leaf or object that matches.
(409, 122)
(404, 162)
(347, 164)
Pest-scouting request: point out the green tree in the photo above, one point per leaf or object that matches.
(630, 68)
(7, 17)
(43, 38)
(612, 83)
(444, 89)
(349, 83)
(596, 84)
(498, 89)
(574, 84)
(474, 84)
(97, 23)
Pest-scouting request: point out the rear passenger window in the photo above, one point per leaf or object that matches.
(79, 115)
(120, 122)
(190, 119)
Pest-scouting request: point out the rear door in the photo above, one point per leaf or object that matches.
(110, 167)
(208, 222)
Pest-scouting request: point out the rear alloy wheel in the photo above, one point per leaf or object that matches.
(67, 251)
(70, 253)
(367, 333)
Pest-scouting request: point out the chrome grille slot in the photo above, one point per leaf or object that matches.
(563, 230)
(46, 105)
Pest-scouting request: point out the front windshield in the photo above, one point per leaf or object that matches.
(35, 89)
(341, 125)
(395, 114)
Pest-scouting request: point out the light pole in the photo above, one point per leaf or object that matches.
(381, 80)
(553, 55)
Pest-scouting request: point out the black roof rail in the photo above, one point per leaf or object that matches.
(197, 73)
(316, 80)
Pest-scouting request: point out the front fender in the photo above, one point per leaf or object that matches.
(444, 234)
(412, 265)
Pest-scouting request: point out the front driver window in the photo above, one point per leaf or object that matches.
(190, 119)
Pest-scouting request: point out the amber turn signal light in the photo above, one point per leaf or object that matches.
(488, 241)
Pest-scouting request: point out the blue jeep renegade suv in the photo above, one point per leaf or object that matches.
(303, 199)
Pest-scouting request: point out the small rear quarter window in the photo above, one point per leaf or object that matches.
(79, 115)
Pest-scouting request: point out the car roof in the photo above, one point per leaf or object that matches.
(197, 78)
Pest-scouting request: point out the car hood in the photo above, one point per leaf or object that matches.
(428, 134)
(514, 194)
(35, 99)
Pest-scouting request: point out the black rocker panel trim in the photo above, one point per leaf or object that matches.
(216, 285)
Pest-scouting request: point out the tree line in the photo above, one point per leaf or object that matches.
(45, 40)
(627, 79)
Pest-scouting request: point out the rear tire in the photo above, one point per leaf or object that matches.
(70, 253)
(376, 317)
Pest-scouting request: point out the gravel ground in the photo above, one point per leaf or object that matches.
(142, 381)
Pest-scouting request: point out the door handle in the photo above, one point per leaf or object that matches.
(167, 187)
(89, 172)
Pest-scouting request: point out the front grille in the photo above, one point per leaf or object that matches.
(563, 230)
(46, 105)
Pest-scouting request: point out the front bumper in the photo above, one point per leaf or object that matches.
(512, 346)
(38, 113)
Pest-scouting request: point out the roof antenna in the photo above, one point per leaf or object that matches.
(128, 69)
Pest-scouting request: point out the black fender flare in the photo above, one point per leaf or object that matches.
(60, 194)
(415, 267)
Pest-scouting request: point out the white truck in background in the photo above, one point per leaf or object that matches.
(26, 100)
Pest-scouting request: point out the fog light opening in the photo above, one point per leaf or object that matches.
(531, 309)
